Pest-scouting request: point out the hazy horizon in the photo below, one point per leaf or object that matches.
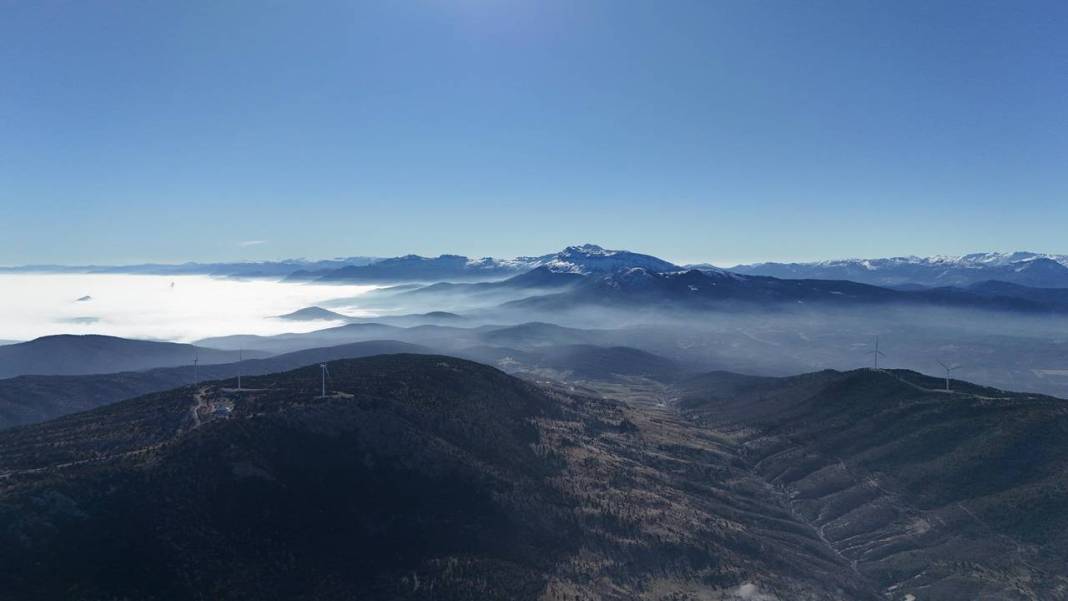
(723, 263)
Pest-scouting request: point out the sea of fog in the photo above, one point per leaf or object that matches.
(178, 308)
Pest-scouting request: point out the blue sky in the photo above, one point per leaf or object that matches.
(722, 131)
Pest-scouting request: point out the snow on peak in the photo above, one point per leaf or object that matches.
(587, 250)
(974, 260)
(583, 259)
(591, 258)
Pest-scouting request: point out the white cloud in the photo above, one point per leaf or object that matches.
(251, 242)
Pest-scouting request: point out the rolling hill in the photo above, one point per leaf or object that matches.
(79, 355)
(430, 477)
(32, 399)
(937, 494)
(417, 477)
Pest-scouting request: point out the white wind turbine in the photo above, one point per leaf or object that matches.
(240, 358)
(325, 373)
(877, 353)
(949, 369)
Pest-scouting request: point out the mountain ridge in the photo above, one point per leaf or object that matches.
(1025, 268)
(417, 477)
(69, 354)
(31, 399)
(705, 289)
(424, 477)
(1020, 267)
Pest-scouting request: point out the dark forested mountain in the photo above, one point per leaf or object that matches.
(417, 477)
(1052, 297)
(933, 494)
(74, 355)
(1028, 269)
(32, 399)
(430, 477)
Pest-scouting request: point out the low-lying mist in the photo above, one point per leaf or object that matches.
(1002, 349)
(149, 307)
(1005, 350)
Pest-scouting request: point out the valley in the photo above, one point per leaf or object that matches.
(704, 488)
(533, 301)
(586, 429)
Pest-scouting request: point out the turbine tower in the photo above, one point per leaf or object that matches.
(948, 369)
(196, 373)
(325, 373)
(240, 358)
(876, 353)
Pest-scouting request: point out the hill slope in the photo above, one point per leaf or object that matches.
(77, 355)
(419, 477)
(942, 495)
(31, 399)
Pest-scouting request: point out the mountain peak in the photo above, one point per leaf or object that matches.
(590, 258)
(588, 250)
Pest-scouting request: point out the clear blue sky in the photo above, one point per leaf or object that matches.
(723, 131)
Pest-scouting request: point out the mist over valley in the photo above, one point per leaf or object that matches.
(533, 301)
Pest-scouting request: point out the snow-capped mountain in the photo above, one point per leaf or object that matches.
(994, 259)
(584, 260)
(590, 258)
(1024, 268)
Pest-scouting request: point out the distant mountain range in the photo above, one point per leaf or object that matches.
(1024, 268)
(583, 259)
(251, 269)
(716, 289)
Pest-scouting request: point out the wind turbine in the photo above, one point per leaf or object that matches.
(948, 369)
(196, 373)
(876, 353)
(325, 373)
(240, 358)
